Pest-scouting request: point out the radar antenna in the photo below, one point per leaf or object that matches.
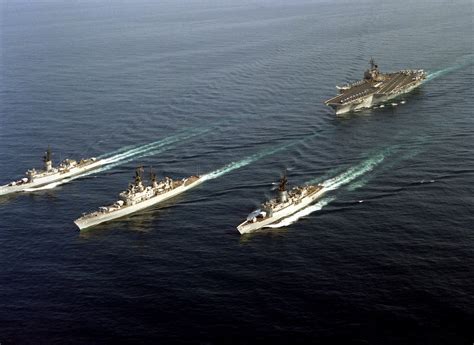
(152, 176)
(138, 175)
(47, 155)
(283, 182)
(372, 63)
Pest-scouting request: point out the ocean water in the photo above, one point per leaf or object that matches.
(235, 89)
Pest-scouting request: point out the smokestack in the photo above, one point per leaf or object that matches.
(282, 195)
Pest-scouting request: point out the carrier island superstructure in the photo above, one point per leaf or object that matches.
(50, 174)
(375, 88)
(138, 197)
(284, 205)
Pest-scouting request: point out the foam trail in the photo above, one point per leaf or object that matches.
(156, 147)
(350, 175)
(468, 61)
(334, 183)
(362, 182)
(246, 161)
(125, 157)
(304, 212)
(120, 150)
(143, 149)
(320, 179)
(94, 171)
(356, 171)
(358, 184)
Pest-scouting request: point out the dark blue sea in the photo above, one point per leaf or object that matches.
(236, 89)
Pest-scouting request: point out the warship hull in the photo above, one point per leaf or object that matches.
(48, 179)
(249, 226)
(90, 221)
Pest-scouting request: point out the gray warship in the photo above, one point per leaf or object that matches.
(138, 197)
(50, 174)
(375, 88)
(284, 205)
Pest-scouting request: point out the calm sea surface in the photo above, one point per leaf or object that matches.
(236, 88)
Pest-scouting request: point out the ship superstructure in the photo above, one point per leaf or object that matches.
(50, 174)
(284, 205)
(375, 88)
(138, 197)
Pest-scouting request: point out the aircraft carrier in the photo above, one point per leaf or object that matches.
(375, 88)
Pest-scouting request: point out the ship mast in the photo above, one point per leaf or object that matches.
(372, 64)
(48, 164)
(282, 183)
(282, 192)
(373, 72)
(153, 181)
(138, 177)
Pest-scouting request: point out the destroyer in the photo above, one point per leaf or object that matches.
(375, 88)
(286, 204)
(138, 197)
(37, 178)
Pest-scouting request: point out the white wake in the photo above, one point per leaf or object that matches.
(246, 161)
(333, 184)
(356, 171)
(303, 213)
(467, 60)
(127, 155)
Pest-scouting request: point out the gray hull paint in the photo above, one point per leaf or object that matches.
(87, 222)
(373, 100)
(43, 181)
(247, 227)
